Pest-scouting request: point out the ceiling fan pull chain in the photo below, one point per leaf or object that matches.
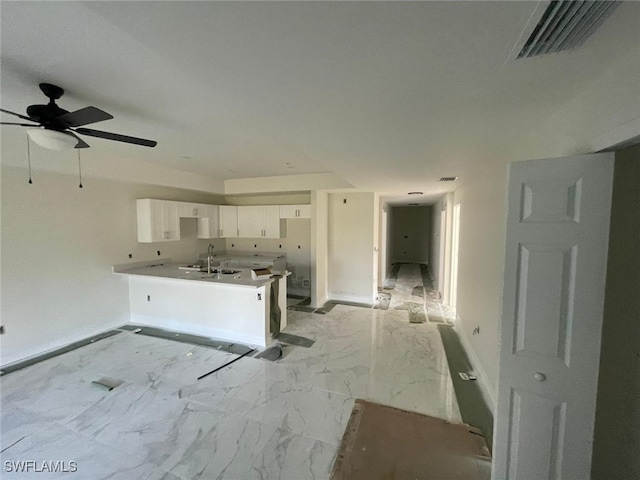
(79, 170)
(29, 160)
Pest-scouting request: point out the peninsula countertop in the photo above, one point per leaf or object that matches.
(165, 268)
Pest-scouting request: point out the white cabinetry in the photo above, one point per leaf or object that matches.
(192, 210)
(228, 221)
(295, 211)
(209, 223)
(260, 221)
(158, 221)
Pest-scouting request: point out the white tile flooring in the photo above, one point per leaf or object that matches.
(253, 419)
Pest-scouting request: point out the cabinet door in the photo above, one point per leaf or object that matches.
(228, 221)
(250, 221)
(170, 221)
(271, 216)
(192, 210)
(209, 224)
(288, 211)
(295, 211)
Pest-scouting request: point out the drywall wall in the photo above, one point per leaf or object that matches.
(58, 245)
(285, 183)
(617, 425)
(410, 230)
(319, 248)
(296, 244)
(351, 243)
(481, 264)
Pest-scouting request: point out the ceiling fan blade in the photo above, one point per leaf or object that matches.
(20, 124)
(81, 143)
(84, 116)
(16, 114)
(117, 137)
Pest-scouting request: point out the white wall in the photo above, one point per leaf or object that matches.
(481, 263)
(410, 234)
(351, 242)
(58, 245)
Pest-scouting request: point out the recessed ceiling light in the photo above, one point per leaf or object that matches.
(413, 204)
(415, 193)
(448, 179)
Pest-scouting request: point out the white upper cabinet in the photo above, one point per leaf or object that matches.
(272, 222)
(158, 221)
(209, 223)
(228, 221)
(259, 221)
(192, 210)
(295, 211)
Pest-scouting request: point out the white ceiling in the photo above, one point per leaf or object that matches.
(390, 96)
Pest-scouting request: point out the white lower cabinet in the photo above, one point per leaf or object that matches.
(158, 221)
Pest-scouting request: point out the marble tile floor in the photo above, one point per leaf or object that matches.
(254, 419)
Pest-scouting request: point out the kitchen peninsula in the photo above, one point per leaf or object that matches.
(222, 305)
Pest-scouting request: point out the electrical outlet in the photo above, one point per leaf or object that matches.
(148, 298)
(131, 255)
(158, 252)
(1, 329)
(476, 331)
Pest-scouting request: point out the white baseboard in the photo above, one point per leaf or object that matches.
(479, 371)
(351, 299)
(183, 327)
(37, 350)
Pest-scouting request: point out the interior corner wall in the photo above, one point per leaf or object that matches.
(319, 248)
(351, 243)
(410, 230)
(617, 424)
(59, 243)
(483, 209)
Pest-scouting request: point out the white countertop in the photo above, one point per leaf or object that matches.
(171, 270)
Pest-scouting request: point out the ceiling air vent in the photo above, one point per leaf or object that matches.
(448, 179)
(566, 24)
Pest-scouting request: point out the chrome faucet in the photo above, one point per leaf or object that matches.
(209, 256)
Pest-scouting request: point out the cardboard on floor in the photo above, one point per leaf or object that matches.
(383, 442)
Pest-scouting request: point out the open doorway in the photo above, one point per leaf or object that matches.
(455, 241)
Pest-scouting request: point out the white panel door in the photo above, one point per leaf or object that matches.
(555, 266)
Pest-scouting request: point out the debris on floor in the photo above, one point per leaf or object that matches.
(272, 353)
(107, 383)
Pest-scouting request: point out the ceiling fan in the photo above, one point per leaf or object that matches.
(60, 127)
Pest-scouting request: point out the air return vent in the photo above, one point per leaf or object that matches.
(448, 179)
(566, 24)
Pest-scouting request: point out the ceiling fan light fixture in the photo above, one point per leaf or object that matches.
(52, 139)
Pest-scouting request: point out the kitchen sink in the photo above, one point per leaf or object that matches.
(224, 271)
